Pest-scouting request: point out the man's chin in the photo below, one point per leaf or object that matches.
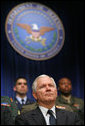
(66, 93)
(49, 99)
(22, 93)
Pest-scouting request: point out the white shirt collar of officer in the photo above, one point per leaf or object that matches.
(20, 99)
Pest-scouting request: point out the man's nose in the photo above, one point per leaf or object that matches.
(48, 88)
(66, 84)
(22, 84)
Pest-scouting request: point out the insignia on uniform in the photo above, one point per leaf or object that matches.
(18, 112)
(35, 31)
(60, 107)
(11, 99)
(76, 105)
(5, 104)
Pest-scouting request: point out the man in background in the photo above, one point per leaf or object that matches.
(66, 101)
(21, 89)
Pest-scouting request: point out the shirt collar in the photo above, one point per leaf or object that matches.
(20, 99)
(44, 110)
(68, 99)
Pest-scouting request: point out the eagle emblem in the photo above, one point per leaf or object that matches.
(35, 33)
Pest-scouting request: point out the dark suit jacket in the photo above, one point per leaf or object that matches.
(35, 117)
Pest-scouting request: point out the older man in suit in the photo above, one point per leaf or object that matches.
(45, 93)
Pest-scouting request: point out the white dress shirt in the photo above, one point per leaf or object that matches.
(46, 116)
(20, 99)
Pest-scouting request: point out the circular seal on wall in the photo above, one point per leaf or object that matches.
(35, 31)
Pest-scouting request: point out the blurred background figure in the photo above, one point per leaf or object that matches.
(9, 111)
(66, 101)
(21, 89)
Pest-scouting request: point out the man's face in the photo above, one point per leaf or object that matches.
(46, 90)
(21, 86)
(65, 86)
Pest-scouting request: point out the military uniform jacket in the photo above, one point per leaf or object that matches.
(76, 105)
(20, 105)
(9, 111)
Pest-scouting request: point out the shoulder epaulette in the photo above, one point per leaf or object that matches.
(11, 99)
(60, 107)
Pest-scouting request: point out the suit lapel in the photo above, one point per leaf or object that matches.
(38, 117)
(61, 119)
(27, 102)
(18, 104)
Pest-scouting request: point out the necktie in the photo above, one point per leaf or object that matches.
(52, 119)
(22, 101)
(21, 104)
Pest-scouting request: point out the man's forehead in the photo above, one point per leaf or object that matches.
(45, 78)
(65, 79)
(21, 80)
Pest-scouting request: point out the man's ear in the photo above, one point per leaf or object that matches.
(14, 88)
(34, 95)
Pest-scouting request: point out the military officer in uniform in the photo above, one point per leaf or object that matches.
(21, 89)
(9, 111)
(66, 101)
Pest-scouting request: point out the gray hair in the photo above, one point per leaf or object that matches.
(34, 85)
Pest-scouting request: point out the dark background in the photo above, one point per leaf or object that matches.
(69, 62)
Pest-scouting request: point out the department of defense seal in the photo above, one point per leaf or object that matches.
(35, 31)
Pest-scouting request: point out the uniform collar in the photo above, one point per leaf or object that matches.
(62, 100)
(20, 99)
(68, 99)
